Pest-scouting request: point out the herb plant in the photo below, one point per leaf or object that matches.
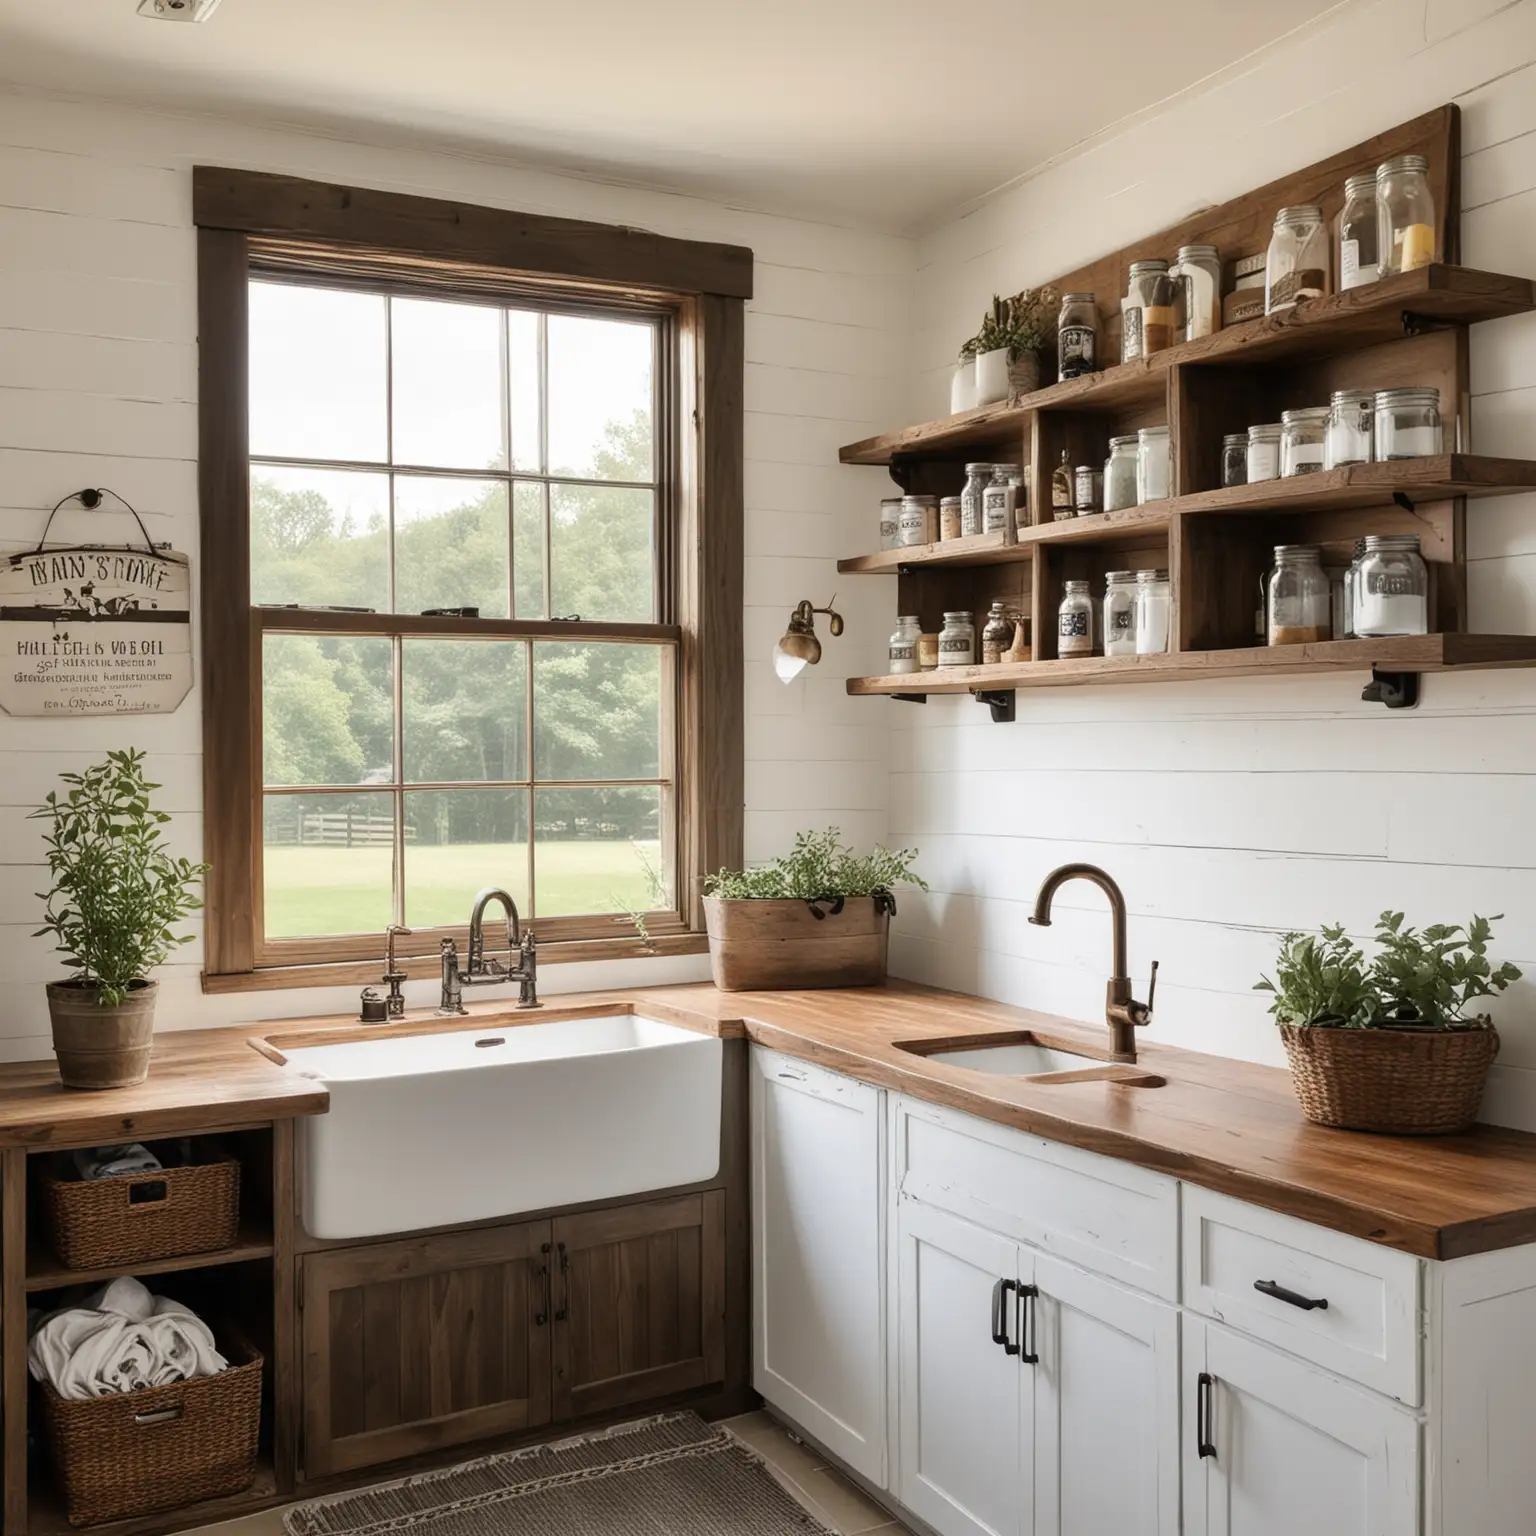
(818, 868)
(1024, 323)
(1321, 980)
(116, 891)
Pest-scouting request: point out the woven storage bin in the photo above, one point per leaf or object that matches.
(110, 1223)
(136, 1453)
(1404, 1082)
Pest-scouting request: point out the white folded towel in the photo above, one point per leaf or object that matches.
(121, 1339)
(113, 1162)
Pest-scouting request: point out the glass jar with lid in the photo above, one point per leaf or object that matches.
(1120, 473)
(1197, 272)
(996, 635)
(957, 641)
(1350, 574)
(1152, 464)
(919, 520)
(1391, 588)
(890, 522)
(971, 510)
(902, 653)
(1088, 489)
(1301, 440)
(1297, 265)
(1234, 459)
(1300, 602)
(997, 499)
(1405, 215)
(1351, 436)
(1154, 612)
(1074, 621)
(1147, 311)
(1119, 626)
(1077, 336)
(1408, 424)
(949, 518)
(1264, 452)
(1358, 234)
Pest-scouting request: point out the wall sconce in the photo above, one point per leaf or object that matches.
(798, 648)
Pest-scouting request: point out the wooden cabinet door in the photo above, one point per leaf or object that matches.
(639, 1302)
(1106, 1389)
(818, 1335)
(1289, 1448)
(428, 1342)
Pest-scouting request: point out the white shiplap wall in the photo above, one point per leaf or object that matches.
(98, 385)
(1232, 811)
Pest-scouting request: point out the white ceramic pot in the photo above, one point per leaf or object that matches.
(962, 386)
(992, 385)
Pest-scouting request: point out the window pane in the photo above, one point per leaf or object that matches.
(596, 710)
(328, 864)
(319, 536)
(600, 553)
(465, 714)
(327, 709)
(523, 365)
(457, 842)
(600, 398)
(317, 373)
(599, 850)
(449, 412)
(528, 549)
(450, 544)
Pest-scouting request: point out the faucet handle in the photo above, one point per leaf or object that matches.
(1152, 987)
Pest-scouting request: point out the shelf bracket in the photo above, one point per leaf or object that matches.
(911, 698)
(1416, 324)
(1397, 690)
(1000, 701)
(1403, 500)
(900, 470)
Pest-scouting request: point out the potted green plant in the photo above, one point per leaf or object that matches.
(1014, 332)
(1395, 1044)
(116, 895)
(817, 917)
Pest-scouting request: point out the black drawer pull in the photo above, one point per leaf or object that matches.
(1292, 1298)
(1000, 1294)
(1204, 1444)
(1029, 1332)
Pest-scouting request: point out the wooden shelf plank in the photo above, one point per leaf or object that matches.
(1418, 653)
(46, 1272)
(1316, 328)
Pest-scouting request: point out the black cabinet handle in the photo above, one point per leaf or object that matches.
(1292, 1298)
(542, 1317)
(1204, 1383)
(1000, 1293)
(1029, 1338)
(565, 1284)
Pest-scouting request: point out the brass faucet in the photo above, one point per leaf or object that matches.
(1122, 1012)
(479, 971)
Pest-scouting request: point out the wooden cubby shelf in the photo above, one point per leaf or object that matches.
(45, 1272)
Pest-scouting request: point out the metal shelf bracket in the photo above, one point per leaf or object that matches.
(1397, 690)
(1001, 701)
(1416, 324)
(911, 698)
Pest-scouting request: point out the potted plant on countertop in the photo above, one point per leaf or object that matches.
(1393, 1045)
(817, 917)
(1014, 332)
(115, 897)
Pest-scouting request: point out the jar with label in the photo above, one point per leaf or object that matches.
(949, 517)
(1198, 274)
(919, 520)
(996, 635)
(1074, 621)
(1358, 234)
(1154, 612)
(1407, 424)
(1152, 464)
(1063, 489)
(1234, 459)
(1351, 436)
(1119, 625)
(1264, 452)
(1120, 473)
(1301, 440)
(1405, 215)
(1077, 336)
(902, 656)
(1147, 311)
(1391, 588)
(1088, 489)
(1021, 499)
(957, 641)
(1297, 266)
(1300, 602)
(971, 510)
(890, 522)
(998, 498)
(927, 652)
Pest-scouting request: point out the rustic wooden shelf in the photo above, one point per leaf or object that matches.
(46, 1272)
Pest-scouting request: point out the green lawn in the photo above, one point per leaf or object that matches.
(312, 890)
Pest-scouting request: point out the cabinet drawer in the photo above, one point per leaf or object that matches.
(1369, 1328)
(1104, 1215)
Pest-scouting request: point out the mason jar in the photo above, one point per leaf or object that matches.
(949, 518)
(1359, 234)
(1301, 440)
(1300, 602)
(1148, 311)
(1234, 459)
(1087, 489)
(1120, 473)
(902, 654)
(1074, 621)
(1197, 271)
(1264, 452)
(1405, 215)
(1297, 265)
(972, 510)
(1408, 424)
(996, 635)
(1391, 588)
(1119, 626)
(1152, 464)
(1077, 336)
(1351, 572)
(997, 499)
(1154, 612)
(890, 522)
(919, 520)
(957, 641)
(1351, 435)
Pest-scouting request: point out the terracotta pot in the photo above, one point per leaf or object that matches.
(102, 1046)
(1024, 374)
(783, 946)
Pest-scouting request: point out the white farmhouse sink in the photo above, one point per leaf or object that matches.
(1021, 1059)
(495, 1119)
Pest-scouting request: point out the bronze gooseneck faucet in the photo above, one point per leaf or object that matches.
(482, 971)
(1122, 1012)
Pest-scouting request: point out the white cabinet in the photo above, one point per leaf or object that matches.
(818, 1213)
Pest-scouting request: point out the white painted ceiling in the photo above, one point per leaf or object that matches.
(888, 113)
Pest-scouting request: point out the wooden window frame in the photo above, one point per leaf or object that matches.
(251, 223)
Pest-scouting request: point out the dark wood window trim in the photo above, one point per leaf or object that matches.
(356, 234)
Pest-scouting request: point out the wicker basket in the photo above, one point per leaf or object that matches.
(1403, 1082)
(136, 1453)
(111, 1223)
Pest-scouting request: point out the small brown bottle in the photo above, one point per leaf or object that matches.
(1062, 494)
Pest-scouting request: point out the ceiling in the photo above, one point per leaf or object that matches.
(885, 113)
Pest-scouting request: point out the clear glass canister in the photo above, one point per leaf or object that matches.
(1351, 436)
(1358, 234)
(1391, 588)
(998, 497)
(1088, 489)
(1301, 440)
(1408, 424)
(1300, 603)
(1120, 474)
(949, 517)
(890, 522)
(1077, 336)
(1405, 215)
(1119, 627)
(996, 635)
(1154, 611)
(1349, 590)
(1234, 459)
(1152, 464)
(1297, 266)
(971, 509)
(902, 656)
(957, 641)
(1147, 312)
(1074, 621)
(1264, 452)
(919, 520)
(1198, 272)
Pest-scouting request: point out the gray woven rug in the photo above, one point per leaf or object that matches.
(673, 1475)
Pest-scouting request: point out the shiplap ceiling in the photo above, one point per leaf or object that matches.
(888, 113)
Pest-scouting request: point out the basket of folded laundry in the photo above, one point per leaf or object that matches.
(139, 1409)
(125, 1205)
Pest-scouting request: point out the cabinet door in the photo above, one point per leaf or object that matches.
(963, 1401)
(818, 1337)
(1273, 1446)
(414, 1345)
(639, 1302)
(1106, 1386)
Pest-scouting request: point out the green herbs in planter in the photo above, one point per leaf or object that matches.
(1321, 980)
(818, 868)
(116, 891)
